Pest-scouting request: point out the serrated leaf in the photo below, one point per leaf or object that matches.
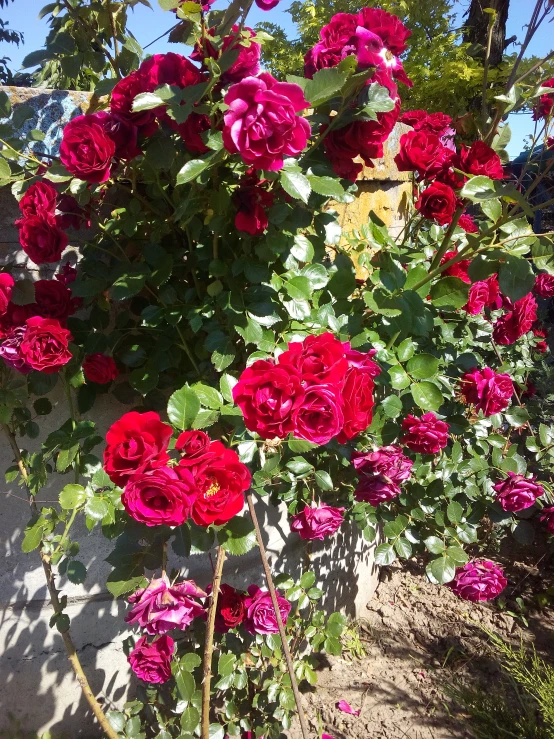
(324, 85)
(449, 292)
(183, 407)
(385, 554)
(296, 185)
(441, 570)
(192, 169)
(237, 536)
(427, 396)
(72, 496)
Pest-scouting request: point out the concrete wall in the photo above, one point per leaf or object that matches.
(39, 690)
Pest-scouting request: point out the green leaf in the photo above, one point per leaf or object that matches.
(116, 719)
(190, 718)
(120, 582)
(392, 406)
(76, 572)
(237, 536)
(449, 292)
(226, 385)
(296, 185)
(398, 377)
(130, 283)
(147, 101)
(515, 277)
(441, 570)
(192, 169)
(5, 105)
(72, 496)
(405, 350)
(455, 512)
(317, 275)
(183, 407)
(517, 416)
(423, 366)
(226, 664)
(299, 288)
(215, 731)
(385, 554)
(426, 395)
(479, 188)
(458, 555)
(186, 684)
(96, 508)
(323, 480)
(434, 544)
(324, 85)
(302, 248)
(307, 580)
(207, 395)
(328, 186)
(298, 446)
(33, 537)
(190, 662)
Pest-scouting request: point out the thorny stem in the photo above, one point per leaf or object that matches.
(273, 594)
(209, 643)
(56, 605)
(447, 239)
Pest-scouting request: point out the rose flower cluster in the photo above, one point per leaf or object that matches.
(317, 390)
(207, 484)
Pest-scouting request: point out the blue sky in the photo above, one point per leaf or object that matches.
(148, 24)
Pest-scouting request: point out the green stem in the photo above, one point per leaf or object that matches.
(443, 248)
(65, 534)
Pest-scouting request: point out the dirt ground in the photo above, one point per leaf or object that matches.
(418, 637)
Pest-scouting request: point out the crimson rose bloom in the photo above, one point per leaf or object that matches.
(426, 435)
(481, 294)
(468, 224)
(122, 132)
(38, 199)
(478, 580)
(320, 417)
(357, 398)
(268, 395)
(100, 368)
(488, 391)
(480, 159)
(221, 480)
(547, 516)
(317, 521)
(152, 662)
(260, 617)
(543, 108)
(423, 153)
(160, 497)
(53, 300)
(10, 353)
(41, 239)
(230, 610)
(456, 270)
(517, 492)
(6, 285)
(86, 149)
(421, 120)
(121, 103)
(251, 201)
(135, 442)
(261, 123)
(266, 4)
(544, 285)
(438, 202)
(513, 325)
(190, 131)
(69, 213)
(248, 61)
(318, 359)
(375, 490)
(194, 446)
(163, 606)
(362, 360)
(388, 462)
(44, 346)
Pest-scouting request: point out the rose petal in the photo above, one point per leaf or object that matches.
(347, 708)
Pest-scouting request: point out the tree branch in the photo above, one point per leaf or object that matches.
(209, 644)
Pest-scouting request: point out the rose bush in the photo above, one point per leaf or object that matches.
(393, 383)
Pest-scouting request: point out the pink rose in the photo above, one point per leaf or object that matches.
(44, 346)
(513, 325)
(481, 294)
(38, 199)
(6, 284)
(478, 580)
(261, 123)
(487, 390)
(547, 517)
(318, 359)
(41, 239)
(86, 149)
(100, 368)
(517, 492)
(10, 350)
(425, 435)
(122, 132)
(459, 269)
(375, 490)
(362, 360)
(159, 497)
(423, 153)
(543, 108)
(544, 285)
(317, 521)
(388, 462)
(152, 662)
(260, 617)
(53, 300)
(320, 416)
(163, 606)
(268, 395)
(266, 5)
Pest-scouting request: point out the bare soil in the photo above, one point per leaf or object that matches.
(417, 638)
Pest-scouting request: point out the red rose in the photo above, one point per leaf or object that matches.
(190, 131)
(121, 103)
(67, 274)
(221, 479)
(267, 396)
(39, 199)
(513, 325)
(53, 300)
(361, 360)
(421, 120)
(544, 285)
(41, 239)
(69, 213)
(438, 202)
(100, 368)
(194, 446)
(481, 294)
(423, 153)
(135, 442)
(517, 492)
(320, 416)
(44, 346)
(230, 610)
(357, 396)
(468, 224)
(251, 201)
(547, 517)
(543, 108)
(480, 159)
(247, 63)
(122, 132)
(488, 391)
(160, 497)
(456, 270)
(152, 662)
(318, 359)
(426, 435)
(86, 149)
(6, 285)
(317, 521)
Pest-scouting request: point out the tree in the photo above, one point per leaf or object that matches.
(9, 36)
(477, 28)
